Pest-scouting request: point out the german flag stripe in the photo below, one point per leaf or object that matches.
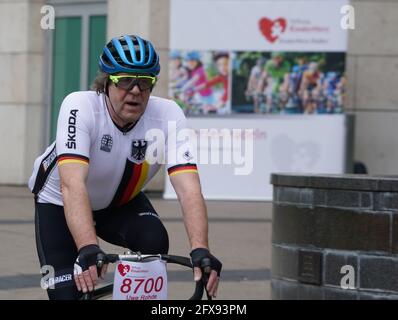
(183, 168)
(127, 174)
(61, 162)
(141, 180)
(182, 171)
(132, 183)
(72, 158)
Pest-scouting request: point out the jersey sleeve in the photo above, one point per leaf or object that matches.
(180, 152)
(75, 123)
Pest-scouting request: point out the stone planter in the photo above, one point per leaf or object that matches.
(334, 237)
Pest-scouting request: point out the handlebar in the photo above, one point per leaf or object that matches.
(138, 257)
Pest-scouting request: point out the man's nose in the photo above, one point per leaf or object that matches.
(135, 89)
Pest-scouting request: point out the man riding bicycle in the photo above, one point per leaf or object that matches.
(88, 182)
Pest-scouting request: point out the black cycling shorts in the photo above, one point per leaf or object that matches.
(135, 226)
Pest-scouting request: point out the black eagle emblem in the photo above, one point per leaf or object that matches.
(138, 149)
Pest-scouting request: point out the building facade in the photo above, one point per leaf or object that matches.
(41, 65)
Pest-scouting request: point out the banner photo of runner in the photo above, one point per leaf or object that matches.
(283, 57)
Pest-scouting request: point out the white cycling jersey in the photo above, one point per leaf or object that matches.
(121, 162)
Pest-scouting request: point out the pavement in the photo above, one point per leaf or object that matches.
(239, 235)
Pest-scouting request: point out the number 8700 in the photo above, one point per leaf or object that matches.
(149, 285)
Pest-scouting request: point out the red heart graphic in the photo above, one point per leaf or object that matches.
(272, 29)
(123, 269)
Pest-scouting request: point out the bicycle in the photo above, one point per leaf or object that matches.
(107, 290)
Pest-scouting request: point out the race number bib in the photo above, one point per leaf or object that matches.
(140, 281)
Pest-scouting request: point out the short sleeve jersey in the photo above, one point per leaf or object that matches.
(120, 162)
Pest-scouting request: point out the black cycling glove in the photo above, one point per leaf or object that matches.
(197, 255)
(88, 256)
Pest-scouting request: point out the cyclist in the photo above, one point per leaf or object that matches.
(221, 60)
(88, 182)
(253, 84)
(178, 73)
(197, 77)
(273, 76)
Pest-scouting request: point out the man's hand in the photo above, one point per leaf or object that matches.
(197, 255)
(85, 268)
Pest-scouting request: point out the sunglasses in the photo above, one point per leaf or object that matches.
(127, 82)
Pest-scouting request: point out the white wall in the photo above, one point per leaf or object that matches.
(21, 103)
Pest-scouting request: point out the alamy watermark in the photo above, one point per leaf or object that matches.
(204, 146)
(47, 21)
(49, 279)
(348, 280)
(348, 19)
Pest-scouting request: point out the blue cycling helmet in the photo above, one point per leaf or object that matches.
(296, 69)
(131, 54)
(192, 55)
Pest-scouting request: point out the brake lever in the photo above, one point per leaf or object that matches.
(101, 260)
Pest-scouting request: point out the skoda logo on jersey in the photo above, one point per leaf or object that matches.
(106, 143)
(138, 149)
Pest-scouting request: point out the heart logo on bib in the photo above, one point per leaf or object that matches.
(123, 269)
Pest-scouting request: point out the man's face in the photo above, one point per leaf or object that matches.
(128, 105)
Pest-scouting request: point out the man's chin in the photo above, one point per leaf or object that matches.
(132, 116)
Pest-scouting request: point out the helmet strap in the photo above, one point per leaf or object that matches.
(106, 88)
(126, 126)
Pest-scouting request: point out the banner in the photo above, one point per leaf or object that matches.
(244, 59)
(237, 164)
(234, 25)
(269, 57)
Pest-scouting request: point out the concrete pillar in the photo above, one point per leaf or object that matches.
(21, 101)
(372, 70)
(149, 19)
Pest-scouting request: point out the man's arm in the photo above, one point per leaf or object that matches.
(187, 187)
(80, 222)
(77, 206)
